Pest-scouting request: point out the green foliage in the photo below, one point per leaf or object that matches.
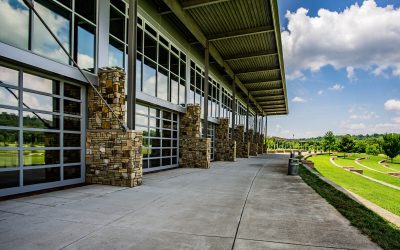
(373, 149)
(329, 141)
(346, 144)
(391, 145)
(360, 146)
(385, 234)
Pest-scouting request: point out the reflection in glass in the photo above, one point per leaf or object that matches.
(117, 23)
(9, 179)
(14, 17)
(72, 123)
(9, 138)
(72, 156)
(154, 163)
(41, 157)
(182, 92)
(41, 84)
(8, 158)
(141, 120)
(166, 161)
(72, 91)
(174, 64)
(163, 56)
(41, 139)
(59, 21)
(39, 120)
(149, 77)
(8, 76)
(9, 117)
(43, 175)
(162, 84)
(72, 172)
(174, 89)
(141, 109)
(72, 140)
(87, 9)
(150, 47)
(115, 54)
(139, 73)
(8, 96)
(41, 102)
(72, 108)
(86, 44)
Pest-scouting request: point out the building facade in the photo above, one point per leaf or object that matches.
(44, 98)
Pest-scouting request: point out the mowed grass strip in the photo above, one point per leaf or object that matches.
(373, 162)
(383, 233)
(349, 161)
(383, 196)
(395, 164)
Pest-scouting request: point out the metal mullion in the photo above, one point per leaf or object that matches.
(42, 167)
(9, 169)
(73, 132)
(62, 131)
(72, 99)
(119, 40)
(115, 8)
(73, 116)
(41, 130)
(71, 148)
(41, 93)
(72, 164)
(84, 18)
(41, 111)
(20, 130)
(9, 128)
(9, 149)
(41, 148)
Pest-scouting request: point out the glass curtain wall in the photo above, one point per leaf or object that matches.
(73, 21)
(41, 130)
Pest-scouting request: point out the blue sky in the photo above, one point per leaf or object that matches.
(342, 67)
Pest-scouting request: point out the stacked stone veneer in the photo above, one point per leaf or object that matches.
(242, 147)
(252, 144)
(225, 148)
(194, 152)
(261, 146)
(113, 156)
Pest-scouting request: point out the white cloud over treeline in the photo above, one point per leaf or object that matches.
(362, 36)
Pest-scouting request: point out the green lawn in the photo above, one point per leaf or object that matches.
(385, 234)
(386, 197)
(349, 161)
(373, 162)
(9, 158)
(395, 164)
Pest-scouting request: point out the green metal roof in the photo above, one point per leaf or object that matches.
(244, 38)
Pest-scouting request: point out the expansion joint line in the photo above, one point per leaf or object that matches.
(244, 205)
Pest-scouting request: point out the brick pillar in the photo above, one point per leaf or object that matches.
(252, 145)
(242, 147)
(194, 152)
(225, 148)
(261, 144)
(113, 156)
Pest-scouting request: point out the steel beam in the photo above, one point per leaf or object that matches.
(250, 55)
(240, 33)
(131, 92)
(191, 4)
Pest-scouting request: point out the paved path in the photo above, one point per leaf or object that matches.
(249, 204)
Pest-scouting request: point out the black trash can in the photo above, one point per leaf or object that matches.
(293, 168)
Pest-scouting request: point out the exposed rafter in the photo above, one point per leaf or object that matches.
(273, 97)
(260, 81)
(250, 55)
(271, 103)
(191, 4)
(256, 70)
(239, 33)
(191, 24)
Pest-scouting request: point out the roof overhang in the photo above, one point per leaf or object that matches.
(244, 39)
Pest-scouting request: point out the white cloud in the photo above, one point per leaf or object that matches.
(320, 92)
(298, 99)
(360, 37)
(337, 87)
(358, 112)
(353, 126)
(295, 75)
(392, 104)
(396, 120)
(351, 74)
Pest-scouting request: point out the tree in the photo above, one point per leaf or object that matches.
(372, 149)
(391, 145)
(360, 146)
(329, 141)
(346, 144)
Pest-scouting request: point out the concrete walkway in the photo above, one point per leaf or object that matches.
(251, 204)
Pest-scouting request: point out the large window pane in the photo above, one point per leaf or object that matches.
(87, 9)
(8, 96)
(150, 47)
(9, 117)
(41, 102)
(72, 91)
(174, 89)
(72, 156)
(117, 24)
(37, 176)
(41, 84)
(86, 44)
(72, 140)
(7, 75)
(14, 17)
(149, 77)
(41, 139)
(163, 56)
(115, 53)
(8, 158)
(72, 108)
(9, 138)
(182, 92)
(72, 172)
(9, 179)
(59, 21)
(72, 123)
(41, 157)
(39, 120)
(162, 84)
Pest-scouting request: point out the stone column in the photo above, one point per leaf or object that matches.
(194, 152)
(113, 156)
(252, 145)
(225, 148)
(242, 147)
(261, 144)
